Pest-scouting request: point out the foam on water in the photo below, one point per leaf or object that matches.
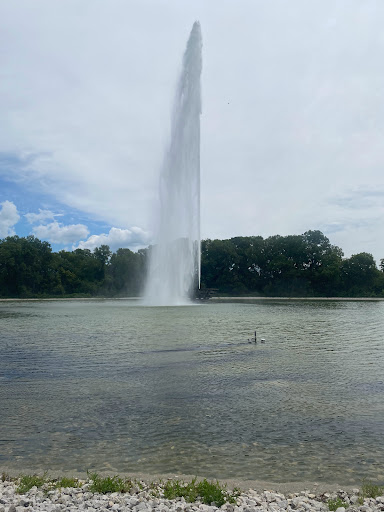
(174, 268)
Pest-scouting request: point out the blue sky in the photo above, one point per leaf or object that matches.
(291, 129)
(27, 208)
(47, 211)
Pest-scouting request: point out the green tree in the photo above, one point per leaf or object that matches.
(103, 255)
(126, 272)
(359, 273)
(219, 265)
(79, 272)
(323, 263)
(25, 267)
(285, 267)
(250, 251)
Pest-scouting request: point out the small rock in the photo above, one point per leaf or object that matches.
(296, 502)
(340, 509)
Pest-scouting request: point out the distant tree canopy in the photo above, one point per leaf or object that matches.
(29, 268)
(294, 265)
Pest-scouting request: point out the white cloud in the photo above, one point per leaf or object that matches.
(117, 238)
(292, 105)
(8, 218)
(59, 234)
(42, 216)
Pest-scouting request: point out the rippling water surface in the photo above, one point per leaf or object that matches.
(111, 385)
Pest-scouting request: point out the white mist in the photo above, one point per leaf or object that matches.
(174, 266)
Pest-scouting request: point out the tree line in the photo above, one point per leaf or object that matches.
(29, 268)
(305, 265)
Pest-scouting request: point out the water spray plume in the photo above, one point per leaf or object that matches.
(174, 266)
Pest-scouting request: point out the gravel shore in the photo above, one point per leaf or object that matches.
(149, 498)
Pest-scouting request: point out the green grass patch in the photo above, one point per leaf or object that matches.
(370, 490)
(67, 482)
(109, 484)
(207, 492)
(28, 481)
(336, 503)
(178, 489)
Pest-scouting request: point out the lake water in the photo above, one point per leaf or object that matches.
(111, 385)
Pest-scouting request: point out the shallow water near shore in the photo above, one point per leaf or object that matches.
(113, 386)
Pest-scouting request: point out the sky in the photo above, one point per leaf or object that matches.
(292, 120)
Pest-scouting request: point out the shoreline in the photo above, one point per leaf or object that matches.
(231, 483)
(372, 299)
(58, 299)
(214, 298)
(99, 494)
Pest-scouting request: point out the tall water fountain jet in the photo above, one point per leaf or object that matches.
(174, 266)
